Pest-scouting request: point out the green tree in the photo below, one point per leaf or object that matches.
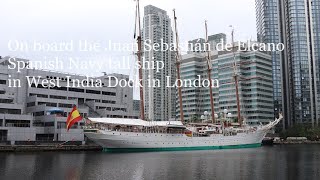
(301, 130)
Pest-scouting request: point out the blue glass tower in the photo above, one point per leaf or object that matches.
(296, 70)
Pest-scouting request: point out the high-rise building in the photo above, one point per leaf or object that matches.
(268, 32)
(159, 101)
(255, 85)
(296, 70)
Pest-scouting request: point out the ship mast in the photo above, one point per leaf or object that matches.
(139, 54)
(235, 77)
(178, 61)
(209, 72)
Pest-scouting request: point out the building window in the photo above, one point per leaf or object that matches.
(30, 104)
(108, 93)
(108, 102)
(10, 111)
(93, 91)
(41, 113)
(76, 90)
(58, 97)
(48, 104)
(65, 105)
(3, 81)
(17, 123)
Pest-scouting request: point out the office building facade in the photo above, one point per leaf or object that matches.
(255, 85)
(33, 112)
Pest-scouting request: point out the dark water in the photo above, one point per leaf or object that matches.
(277, 162)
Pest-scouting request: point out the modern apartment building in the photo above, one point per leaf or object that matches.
(159, 101)
(255, 85)
(35, 112)
(296, 69)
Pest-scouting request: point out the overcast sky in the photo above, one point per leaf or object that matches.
(62, 20)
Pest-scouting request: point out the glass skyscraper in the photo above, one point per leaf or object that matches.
(296, 83)
(268, 32)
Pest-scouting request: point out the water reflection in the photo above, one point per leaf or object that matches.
(278, 162)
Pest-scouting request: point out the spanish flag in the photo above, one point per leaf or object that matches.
(188, 133)
(73, 117)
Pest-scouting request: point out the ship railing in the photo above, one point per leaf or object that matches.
(145, 130)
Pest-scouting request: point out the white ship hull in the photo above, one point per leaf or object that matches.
(118, 141)
(131, 141)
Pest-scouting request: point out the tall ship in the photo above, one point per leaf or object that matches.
(134, 135)
(131, 135)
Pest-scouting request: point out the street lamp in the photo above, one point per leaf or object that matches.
(202, 118)
(206, 114)
(229, 116)
(225, 111)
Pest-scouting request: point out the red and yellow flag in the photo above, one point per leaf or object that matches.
(73, 117)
